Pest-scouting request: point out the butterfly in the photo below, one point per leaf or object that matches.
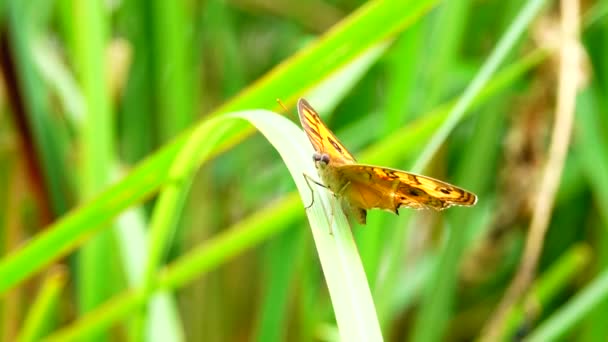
(361, 187)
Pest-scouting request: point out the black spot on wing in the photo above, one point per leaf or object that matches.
(415, 192)
(334, 144)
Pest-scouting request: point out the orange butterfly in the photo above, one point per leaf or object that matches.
(361, 187)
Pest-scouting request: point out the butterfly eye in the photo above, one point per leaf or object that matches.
(322, 158)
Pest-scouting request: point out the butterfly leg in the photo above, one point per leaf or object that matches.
(338, 196)
(309, 179)
(342, 189)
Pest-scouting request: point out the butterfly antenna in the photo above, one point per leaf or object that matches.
(282, 104)
(286, 110)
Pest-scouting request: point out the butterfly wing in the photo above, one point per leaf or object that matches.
(363, 187)
(384, 188)
(321, 138)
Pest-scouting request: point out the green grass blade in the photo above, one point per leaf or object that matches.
(96, 277)
(42, 315)
(137, 134)
(402, 145)
(286, 82)
(499, 54)
(573, 312)
(403, 64)
(248, 232)
(171, 200)
(351, 37)
(163, 323)
(190, 266)
(348, 288)
(173, 63)
(68, 232)
(44, 133)
(433, 313)
(347, 284)
(279, 276)
(447, 38)
(556, 279)
(590, 147)
(589, 142)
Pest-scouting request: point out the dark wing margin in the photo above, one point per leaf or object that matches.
(410, 190)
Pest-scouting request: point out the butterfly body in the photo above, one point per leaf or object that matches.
(335, 182)
(360, 187)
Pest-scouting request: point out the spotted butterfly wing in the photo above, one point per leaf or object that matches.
(321, 138)
(361, 187)
(389, 189)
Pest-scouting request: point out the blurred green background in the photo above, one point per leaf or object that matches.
(97, 98)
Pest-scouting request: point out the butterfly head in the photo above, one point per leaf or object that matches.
(320, 159)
